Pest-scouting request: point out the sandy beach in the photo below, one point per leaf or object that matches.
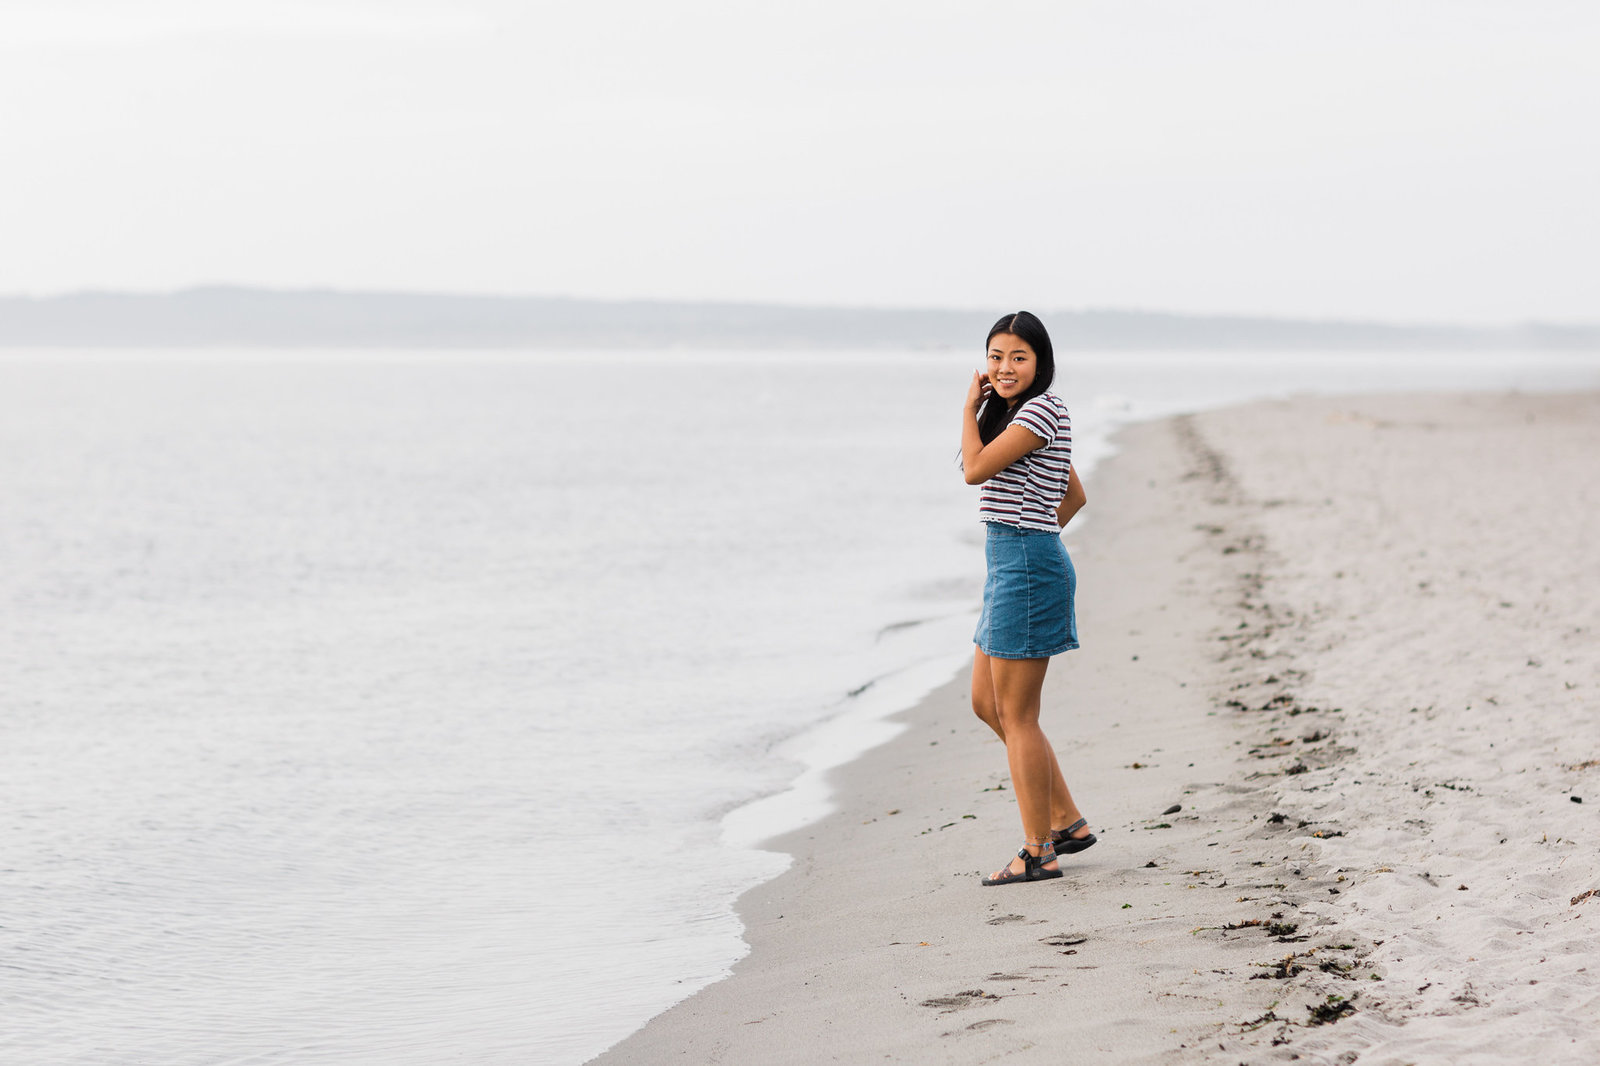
(1335, 723)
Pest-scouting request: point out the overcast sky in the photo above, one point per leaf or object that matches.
(1422, 160)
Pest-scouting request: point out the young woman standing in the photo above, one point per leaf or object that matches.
(1016, 441)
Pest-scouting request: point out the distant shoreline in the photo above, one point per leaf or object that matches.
(222, 316)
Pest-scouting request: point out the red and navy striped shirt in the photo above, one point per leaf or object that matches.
(1026, 493)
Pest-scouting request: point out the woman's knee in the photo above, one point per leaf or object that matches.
(1018, 716)
(983, 706)
(985, 710)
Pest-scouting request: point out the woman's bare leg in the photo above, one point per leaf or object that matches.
(1018, 687)
(983, 693)
(1063, 811)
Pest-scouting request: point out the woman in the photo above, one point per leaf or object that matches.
(1016, 441)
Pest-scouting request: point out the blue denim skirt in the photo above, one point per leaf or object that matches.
(1028, 595)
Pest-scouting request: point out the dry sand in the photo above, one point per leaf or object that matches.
(1355, 640)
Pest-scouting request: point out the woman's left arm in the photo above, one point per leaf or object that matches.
(979, 461)
(1073, 501)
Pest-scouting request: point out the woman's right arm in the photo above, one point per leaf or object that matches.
(980, 461)
(1073, 501)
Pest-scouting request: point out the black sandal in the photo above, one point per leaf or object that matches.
(1066, 843)
(1032, 868)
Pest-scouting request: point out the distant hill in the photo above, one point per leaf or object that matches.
(242, 317)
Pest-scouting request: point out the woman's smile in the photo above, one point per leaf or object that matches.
(1011, 365)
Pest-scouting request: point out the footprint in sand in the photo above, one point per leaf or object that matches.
(959, 1001)
(989, 1023)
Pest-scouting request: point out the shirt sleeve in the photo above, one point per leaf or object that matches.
(1038, 416)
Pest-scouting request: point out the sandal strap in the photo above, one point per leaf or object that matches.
(1074, 827)
(1006, 876)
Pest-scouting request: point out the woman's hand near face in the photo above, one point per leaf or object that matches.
(978, 391)
(980, 462)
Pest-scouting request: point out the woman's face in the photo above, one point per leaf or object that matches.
(1012, 365)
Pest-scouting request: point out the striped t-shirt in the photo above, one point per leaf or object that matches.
(1026, 493)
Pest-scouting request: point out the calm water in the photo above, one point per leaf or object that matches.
(388, 707)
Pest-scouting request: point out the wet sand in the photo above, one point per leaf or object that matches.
(1353, 641)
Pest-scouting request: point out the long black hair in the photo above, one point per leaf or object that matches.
(995, 414)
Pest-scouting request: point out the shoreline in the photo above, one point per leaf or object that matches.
(1215, 676)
